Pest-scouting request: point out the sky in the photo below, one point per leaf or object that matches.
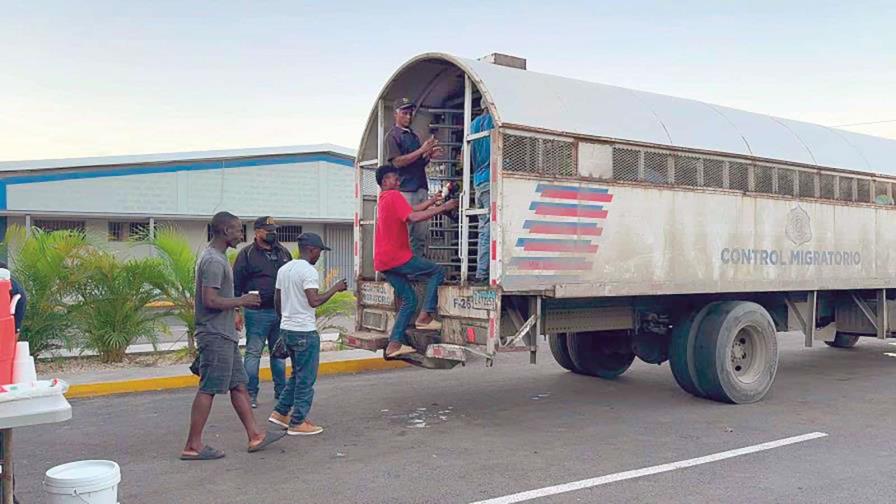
(115, 78)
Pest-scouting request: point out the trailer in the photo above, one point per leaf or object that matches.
(626, 224)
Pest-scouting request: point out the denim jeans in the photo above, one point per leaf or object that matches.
(304, 352)
(418, 231)
(262, 326)
(399, 278)
(483, 200)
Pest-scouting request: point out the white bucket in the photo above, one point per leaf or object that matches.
(85, 481)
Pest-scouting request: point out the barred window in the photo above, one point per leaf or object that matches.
(116, 231)
(59, 225)
(289, 233)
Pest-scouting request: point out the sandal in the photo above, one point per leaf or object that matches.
(206, 453)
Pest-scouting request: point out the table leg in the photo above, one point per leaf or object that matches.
(6, 436)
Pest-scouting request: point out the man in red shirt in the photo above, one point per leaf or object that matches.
(393, 257)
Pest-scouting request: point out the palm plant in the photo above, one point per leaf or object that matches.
(342, 304)
(112, 297)
(44, 264)
(178, 260)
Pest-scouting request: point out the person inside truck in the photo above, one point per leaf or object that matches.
(480, 159)
(393, 257)
(405, 152)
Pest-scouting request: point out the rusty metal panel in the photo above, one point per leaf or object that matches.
(605, 318)
(590, 239)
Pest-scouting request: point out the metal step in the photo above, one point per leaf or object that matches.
(364, 340)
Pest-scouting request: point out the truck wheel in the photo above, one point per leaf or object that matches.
(600, 354)
(681, 351)
(736, 352)
(560, 351)
(843, 340)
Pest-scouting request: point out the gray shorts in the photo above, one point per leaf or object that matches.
(220, 365)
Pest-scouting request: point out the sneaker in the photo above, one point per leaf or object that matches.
(432, 325)
(396, 349)
(278, 419)
(254, 402)
(305, 428)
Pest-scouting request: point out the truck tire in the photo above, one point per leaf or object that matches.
(843, 340)
(681, 351)
(736, 352)
(560, 351)
(603, 355)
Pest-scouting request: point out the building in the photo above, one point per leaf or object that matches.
(308, 188)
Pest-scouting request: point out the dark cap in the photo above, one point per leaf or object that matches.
(265, 222)
(312, 240)
(382, 171)
(403, 103)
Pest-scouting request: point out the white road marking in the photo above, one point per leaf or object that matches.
(647, 471)
(890, 354)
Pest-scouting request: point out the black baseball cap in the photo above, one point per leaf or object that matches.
(382, 171)
(312, 240)
(403, 103)
(266, 222)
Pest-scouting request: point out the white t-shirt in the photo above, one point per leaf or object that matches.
(292, 280)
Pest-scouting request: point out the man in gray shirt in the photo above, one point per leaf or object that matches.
(220, 364)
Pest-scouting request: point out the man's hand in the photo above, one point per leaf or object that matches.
(340, 286)
(435, 152)
(250, 300)
(429, 145)
(451, 205)
(238, 321)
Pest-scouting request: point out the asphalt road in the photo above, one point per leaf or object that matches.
(490, 432)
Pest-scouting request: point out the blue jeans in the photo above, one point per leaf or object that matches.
(304, 352)
(483, 200)
(399, 277)
(262, 326)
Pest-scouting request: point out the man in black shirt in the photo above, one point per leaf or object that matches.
(405, 152)
(256, 270)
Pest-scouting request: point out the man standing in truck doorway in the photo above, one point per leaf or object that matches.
(393, 257)
(480, 159)
(405, 152)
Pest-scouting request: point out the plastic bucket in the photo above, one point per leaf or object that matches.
(85, 481)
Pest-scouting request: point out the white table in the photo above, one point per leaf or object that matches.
(40, 410)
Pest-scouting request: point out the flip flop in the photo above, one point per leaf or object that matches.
(269, 437)
(403, 350)
(206, 453)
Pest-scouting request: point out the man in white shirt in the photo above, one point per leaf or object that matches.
(296, 296)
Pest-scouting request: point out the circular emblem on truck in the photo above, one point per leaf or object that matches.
(799, 226)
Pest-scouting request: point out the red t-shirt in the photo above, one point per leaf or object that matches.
(391, 247)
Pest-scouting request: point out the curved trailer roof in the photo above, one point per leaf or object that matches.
(568, 106)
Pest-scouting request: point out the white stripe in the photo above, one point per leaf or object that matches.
(647, 471)
(890, 354)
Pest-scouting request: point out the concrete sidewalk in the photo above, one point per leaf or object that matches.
(143, 379)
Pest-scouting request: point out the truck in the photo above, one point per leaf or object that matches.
(627, 224)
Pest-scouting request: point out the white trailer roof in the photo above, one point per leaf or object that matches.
(564, 105)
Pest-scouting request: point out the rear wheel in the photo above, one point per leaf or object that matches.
(560, 351)
(601, 354)
(843, 340)
(736, 352)
(681, 351)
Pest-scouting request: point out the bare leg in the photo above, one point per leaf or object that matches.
(202, 406)
(424, 318)
(239, 398)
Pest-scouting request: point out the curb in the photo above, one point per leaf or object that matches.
(190, 381)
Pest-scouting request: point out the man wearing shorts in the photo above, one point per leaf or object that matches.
(220, 363)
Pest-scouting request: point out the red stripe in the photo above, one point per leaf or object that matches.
(494, 281)
(494, 250)
(357, 190)
(471, 335)
(565, 230)
(357, 222)
(571, 212)
(494, 216)
(356, 248)
(491, 328)
(549, 265)
(575, 195)
(558, 247)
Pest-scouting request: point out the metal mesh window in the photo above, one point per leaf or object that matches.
(764, 179)
(827, 185)
(541, 156)
(59, 225)
(846, 184)
(882, 193)
(116, 231)
(686, 169)
(138, 230)
(786, 183)
(625, 164)
(656, 167)
(289, 233)
(368, 181)
(713, 173)
(738, 176)
(863, 190)
(807, 184)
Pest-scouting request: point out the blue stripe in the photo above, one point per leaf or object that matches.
(176, 167)
(2, 195)
(536, 204)
(547, 187)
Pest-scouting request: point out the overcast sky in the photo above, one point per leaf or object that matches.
(110, 77)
